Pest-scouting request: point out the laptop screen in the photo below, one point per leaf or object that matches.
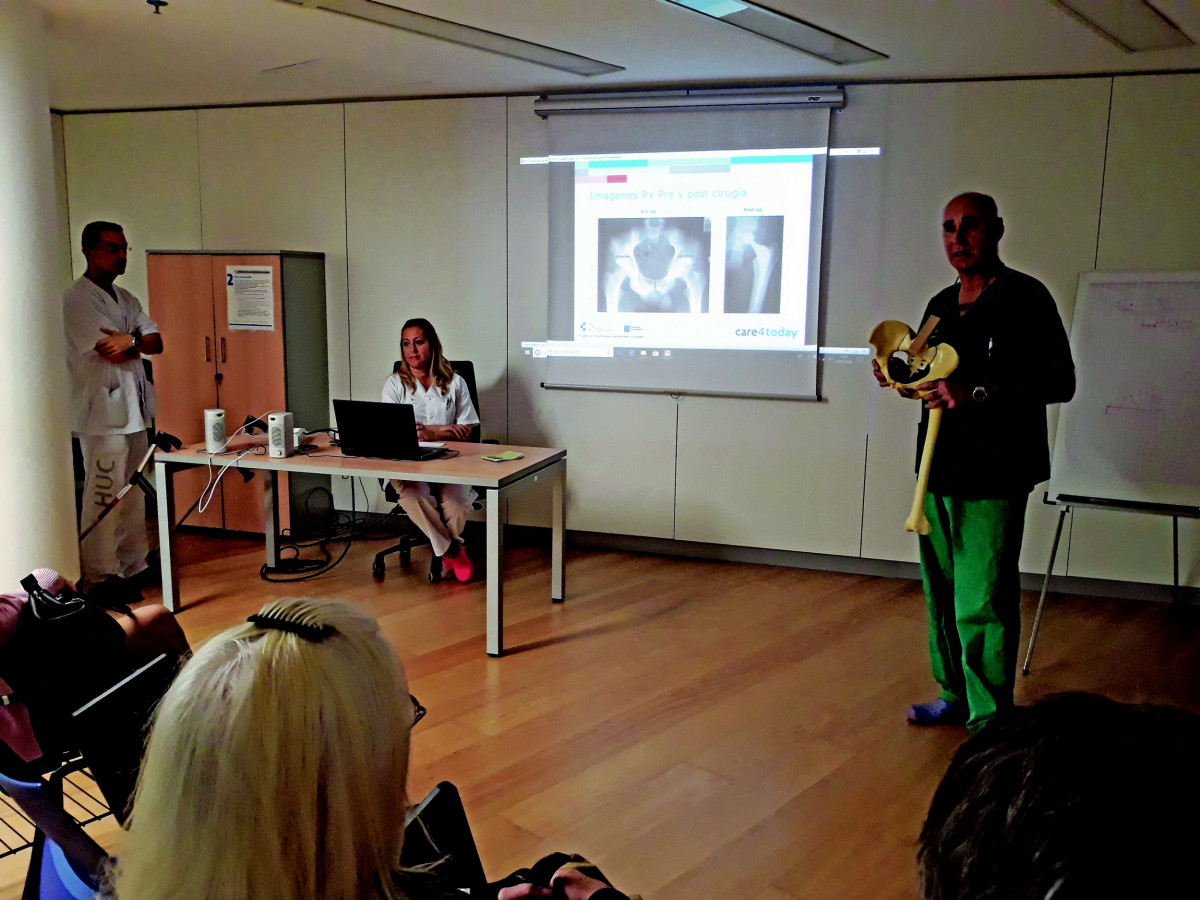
(375, 429)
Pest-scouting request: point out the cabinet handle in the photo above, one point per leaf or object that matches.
(207, 351)
(222, 349)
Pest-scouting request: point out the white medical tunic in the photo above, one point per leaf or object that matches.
(432, 405)
(106, 398)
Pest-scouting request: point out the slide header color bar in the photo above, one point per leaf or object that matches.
(598, 351)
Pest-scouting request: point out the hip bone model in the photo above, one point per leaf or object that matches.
(907, 360)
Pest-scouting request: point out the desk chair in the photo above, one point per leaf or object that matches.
(65, 863)
(415, 538)
(111, 729)
(105, 736)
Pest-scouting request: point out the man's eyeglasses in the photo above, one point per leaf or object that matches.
(418, 709)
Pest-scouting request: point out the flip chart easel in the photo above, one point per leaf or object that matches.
(1066, 503)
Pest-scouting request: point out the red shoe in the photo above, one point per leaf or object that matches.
(459, 564)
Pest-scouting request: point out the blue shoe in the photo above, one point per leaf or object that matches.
(938, 712)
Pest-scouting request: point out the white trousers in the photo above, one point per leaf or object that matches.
(420, 501)
(118, 546)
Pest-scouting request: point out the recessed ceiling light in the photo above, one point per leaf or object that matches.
(1133, 25)
(464, 35)
(783, 29)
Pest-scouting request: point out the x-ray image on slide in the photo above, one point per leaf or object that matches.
(752, 264)
(654, 265)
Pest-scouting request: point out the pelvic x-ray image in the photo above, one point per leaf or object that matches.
(654, 265)
(752, 249)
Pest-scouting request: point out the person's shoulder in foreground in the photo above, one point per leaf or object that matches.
(1077, 796)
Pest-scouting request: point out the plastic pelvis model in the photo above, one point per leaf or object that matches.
(907, 360)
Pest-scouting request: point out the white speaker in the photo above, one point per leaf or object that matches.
(281, 439)
(214, 430)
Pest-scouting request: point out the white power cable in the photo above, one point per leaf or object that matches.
(210, 489)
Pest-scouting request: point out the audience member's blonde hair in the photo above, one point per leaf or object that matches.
(275, 768)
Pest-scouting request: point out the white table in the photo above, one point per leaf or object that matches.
(538, 465)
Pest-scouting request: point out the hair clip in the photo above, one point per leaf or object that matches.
(276, 619)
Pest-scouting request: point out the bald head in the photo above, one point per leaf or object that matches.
(971, 232)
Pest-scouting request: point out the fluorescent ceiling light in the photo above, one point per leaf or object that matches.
(1133, 25)
(464, 35)
(783, 29)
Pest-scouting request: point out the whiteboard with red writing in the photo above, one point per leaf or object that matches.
(1132, 432)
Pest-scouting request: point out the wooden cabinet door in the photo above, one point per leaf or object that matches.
(250, 363)
(180, 300)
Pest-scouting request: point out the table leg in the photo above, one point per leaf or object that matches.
(495, 580)
(271, 516)
(164, 484)
(1037, 619)
(1175, 556)
(557, 536)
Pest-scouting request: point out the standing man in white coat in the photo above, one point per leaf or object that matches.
(112, 406)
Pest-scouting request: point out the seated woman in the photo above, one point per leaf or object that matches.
(276, 765)
(276, 769)
(443, 409)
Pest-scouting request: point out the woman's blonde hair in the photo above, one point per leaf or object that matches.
(443, 372)
(276, 766)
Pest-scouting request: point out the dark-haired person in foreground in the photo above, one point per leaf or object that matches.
(1014, 359)
(1074, 797)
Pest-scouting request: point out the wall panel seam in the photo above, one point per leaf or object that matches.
(1104, 171)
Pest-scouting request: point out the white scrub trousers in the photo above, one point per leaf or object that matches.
(118, 546)
(420, 503)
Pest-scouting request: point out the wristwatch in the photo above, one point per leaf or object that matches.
(979, 394)
(137, 342)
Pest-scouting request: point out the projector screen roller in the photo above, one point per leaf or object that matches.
(692, 270)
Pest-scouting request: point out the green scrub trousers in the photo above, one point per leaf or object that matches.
(973, 590)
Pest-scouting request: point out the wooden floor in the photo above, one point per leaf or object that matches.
(698, 729)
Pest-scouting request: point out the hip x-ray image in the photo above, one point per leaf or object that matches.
(654, 265)
(752, 248)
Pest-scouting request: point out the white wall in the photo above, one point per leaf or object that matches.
(1150, 221)
(423, 209)
(425, 221)
(138, 169)
(273, 179)
(1038, 147)
(36, 505)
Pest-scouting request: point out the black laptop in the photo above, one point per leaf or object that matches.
(380, 431)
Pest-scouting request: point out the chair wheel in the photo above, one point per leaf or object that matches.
(377, 569)
(435, 570)
(405, 556)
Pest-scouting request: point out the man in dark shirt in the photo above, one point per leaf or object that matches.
(1014, 359)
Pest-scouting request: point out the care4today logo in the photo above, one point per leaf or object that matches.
(788, 333)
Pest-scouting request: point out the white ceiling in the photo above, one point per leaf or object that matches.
(117, 54)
